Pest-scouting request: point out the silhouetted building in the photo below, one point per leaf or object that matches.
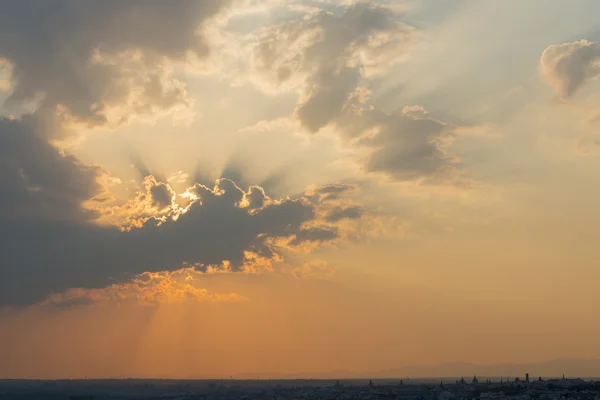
(527, 377)
(475, 381)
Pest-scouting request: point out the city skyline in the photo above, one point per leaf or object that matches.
(552, 389)
(224, 187)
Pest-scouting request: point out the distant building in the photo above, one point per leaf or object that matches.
(492, 395)
(475, 381)
(445, 395)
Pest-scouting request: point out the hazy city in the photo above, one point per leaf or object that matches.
(518, 388)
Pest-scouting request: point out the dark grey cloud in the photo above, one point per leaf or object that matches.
(257, 197)
(162, 195)
(335, 188)
(314, 234)
(340, 213)
(70, 52)
(49, 243)
(566, 67)
(332, 192)
(36, 180)
(408, 145)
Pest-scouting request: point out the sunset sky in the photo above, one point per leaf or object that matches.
(206, 188)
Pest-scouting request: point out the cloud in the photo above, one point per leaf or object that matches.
(256, 198)
(335, 188)
(155, 200)
(331, 193)
(64, 241)
(51, 241)
(326, 56)
(92, 58)
(97, 64)
(339, 210)
(567, 67)
(63, 238)
(339, 213)
(179, 177)
(407, 145)
(314, 235)
(38, 181)
(162, 195)
(331, 58)
(146, 288)
(317, 269)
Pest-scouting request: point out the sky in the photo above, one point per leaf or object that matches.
(209, 188)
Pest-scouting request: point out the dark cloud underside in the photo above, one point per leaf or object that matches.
(48, 243)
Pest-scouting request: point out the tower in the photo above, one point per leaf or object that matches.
(527, 378)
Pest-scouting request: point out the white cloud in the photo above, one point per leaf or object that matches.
(567, 67)
(325, 56)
